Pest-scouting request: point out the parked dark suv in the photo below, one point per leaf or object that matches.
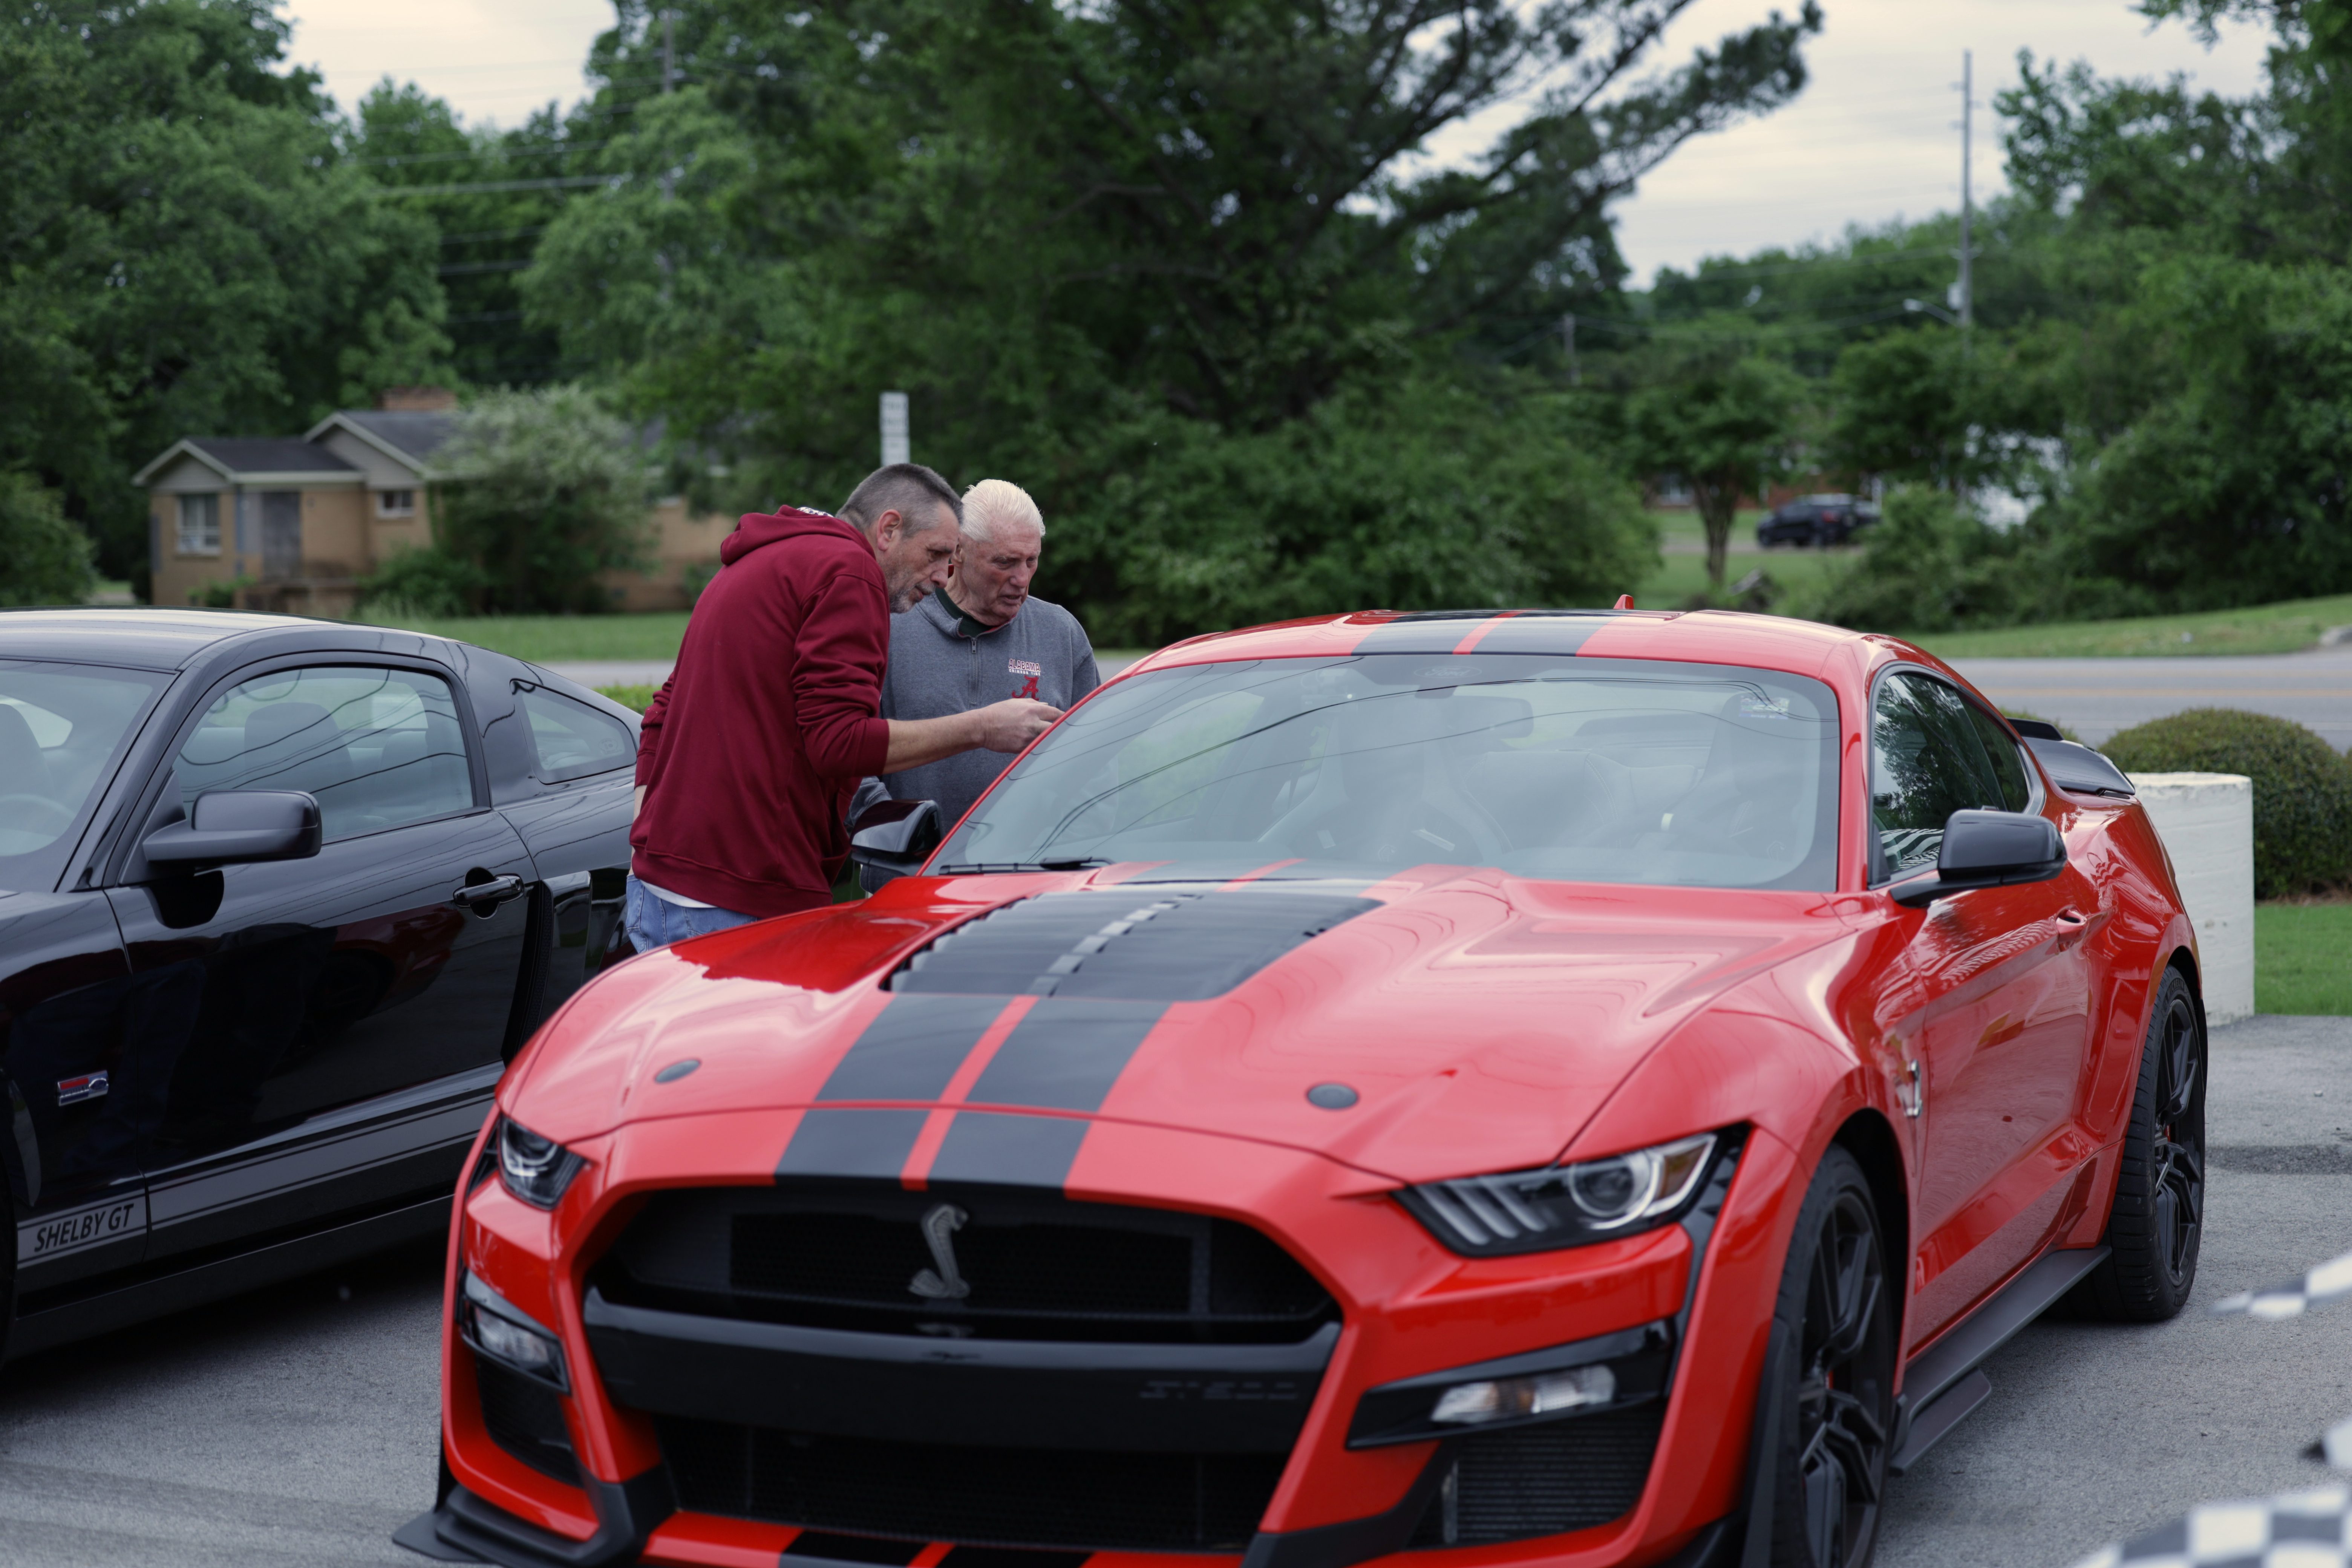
(1816, 520)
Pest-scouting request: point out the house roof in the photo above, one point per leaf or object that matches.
(412, 435)
(242, 459)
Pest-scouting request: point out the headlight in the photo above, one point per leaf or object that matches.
(504, 1332)
(535, 1168)
(1564, 1205)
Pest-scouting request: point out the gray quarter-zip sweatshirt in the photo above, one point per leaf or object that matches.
(938, 667)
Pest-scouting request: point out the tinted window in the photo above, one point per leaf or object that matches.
(62, 729)
(377, 747)
(1928, 759)
(570, 740)
(1590, 770)
(2008, 767)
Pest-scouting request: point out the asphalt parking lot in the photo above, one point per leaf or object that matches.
(297, 1427)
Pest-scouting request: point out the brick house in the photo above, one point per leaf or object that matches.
(292, 523)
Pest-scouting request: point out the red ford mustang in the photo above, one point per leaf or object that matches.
(1561, 1087)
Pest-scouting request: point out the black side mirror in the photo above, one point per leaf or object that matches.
(235, 828)
(897, 835)
(1987, 850)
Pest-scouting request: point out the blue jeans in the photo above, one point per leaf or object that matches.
(654, 921)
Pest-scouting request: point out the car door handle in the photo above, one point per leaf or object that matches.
(484, 897)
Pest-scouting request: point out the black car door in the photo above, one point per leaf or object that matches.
(342, 1016)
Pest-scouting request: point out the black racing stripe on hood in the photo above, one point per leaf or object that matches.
(1066, 1052)
(846, 1142)
(1137, 945)
(911, 1049)
(1441, 631)
(1017, 1151)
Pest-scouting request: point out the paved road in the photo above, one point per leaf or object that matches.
(2097, 696)
(296, 1427)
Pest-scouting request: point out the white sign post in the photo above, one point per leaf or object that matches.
(894, 428)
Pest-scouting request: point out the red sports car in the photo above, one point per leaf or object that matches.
(1561, 1087)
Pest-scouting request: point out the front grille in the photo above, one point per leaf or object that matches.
(846, 1254)
(1000, 1497)
(525, 1418)
(1545, 1480)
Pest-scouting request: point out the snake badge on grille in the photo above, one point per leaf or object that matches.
(939, 1226)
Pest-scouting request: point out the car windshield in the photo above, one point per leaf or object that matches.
(1599, 770)
(62, 729)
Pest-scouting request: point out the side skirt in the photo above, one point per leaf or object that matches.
(107, 1310)
(1941, 1383)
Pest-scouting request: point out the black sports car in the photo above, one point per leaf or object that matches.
(279, 898)
(1816, 520)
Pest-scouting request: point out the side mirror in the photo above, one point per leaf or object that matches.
(234, 827)
(1987, 850)
(896, 835)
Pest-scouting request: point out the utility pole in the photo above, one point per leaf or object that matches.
(669, 55)
(1965, 302)
(1568, 342)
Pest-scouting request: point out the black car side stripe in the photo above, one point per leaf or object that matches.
(1065, 1053)
(844, 1142)
(1014, 1150)
(912, 1047)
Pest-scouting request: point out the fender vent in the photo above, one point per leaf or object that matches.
(1143, 944)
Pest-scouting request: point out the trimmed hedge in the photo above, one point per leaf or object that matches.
(2303, 788)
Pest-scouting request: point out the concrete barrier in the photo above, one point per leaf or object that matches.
(2207, 822)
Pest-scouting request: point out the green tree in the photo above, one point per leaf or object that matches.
(1727, 424)
(548, 491)
(1901, 408)
(183, 251)
(44, 559)
(1157, 261)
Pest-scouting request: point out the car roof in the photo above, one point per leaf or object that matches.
(144, 638)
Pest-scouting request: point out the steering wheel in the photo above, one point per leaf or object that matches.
(65, 818)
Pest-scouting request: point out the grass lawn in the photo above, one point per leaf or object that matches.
(559, 639)
(2259, 628)
(2302, 958)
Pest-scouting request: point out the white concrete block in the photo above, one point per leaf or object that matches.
(2207, 822)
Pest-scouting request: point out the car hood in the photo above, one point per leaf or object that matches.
(1476, 1021)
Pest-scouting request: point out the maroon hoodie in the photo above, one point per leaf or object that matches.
(750, 751)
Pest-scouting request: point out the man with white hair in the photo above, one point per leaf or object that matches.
(981, 638)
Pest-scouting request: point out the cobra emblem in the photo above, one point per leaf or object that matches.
(944, 1284)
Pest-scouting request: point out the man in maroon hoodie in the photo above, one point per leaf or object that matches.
(750, 751)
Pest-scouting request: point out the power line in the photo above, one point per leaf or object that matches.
(493, 234)
(561, 183)
(553, 148)
(456, 268)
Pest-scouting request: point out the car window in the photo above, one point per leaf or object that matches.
(62, 729)
(573, 740)
(378, 748)
(1927, 760)
(1546, 766)
(2000, 751)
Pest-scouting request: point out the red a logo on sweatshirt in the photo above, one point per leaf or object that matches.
(1022, 667)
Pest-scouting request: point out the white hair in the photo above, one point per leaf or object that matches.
(993, 501)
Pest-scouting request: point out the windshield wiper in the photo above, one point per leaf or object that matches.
(992, 868)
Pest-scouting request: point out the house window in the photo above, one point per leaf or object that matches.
(396, 503)
(200, 525)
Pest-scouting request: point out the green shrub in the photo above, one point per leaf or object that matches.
(638, 696)
(44, 558)
(422, 583)
(2303, 788)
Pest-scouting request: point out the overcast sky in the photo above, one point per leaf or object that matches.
(1873, 137)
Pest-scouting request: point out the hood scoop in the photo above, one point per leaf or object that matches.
(1131, 944)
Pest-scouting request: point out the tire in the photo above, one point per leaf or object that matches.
(1835, 1324)
(2158, 1220)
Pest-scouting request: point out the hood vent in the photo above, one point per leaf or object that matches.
(1130, 944)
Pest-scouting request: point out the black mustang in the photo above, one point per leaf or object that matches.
(279, 898)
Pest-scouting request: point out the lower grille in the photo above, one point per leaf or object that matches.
(998, 1497)
(1544, 1480)
(525, 1418)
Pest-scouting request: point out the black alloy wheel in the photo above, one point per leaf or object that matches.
(2159, 1217)
(1835, 1325)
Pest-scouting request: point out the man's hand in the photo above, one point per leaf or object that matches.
(1010, 725)
(1005, 726)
